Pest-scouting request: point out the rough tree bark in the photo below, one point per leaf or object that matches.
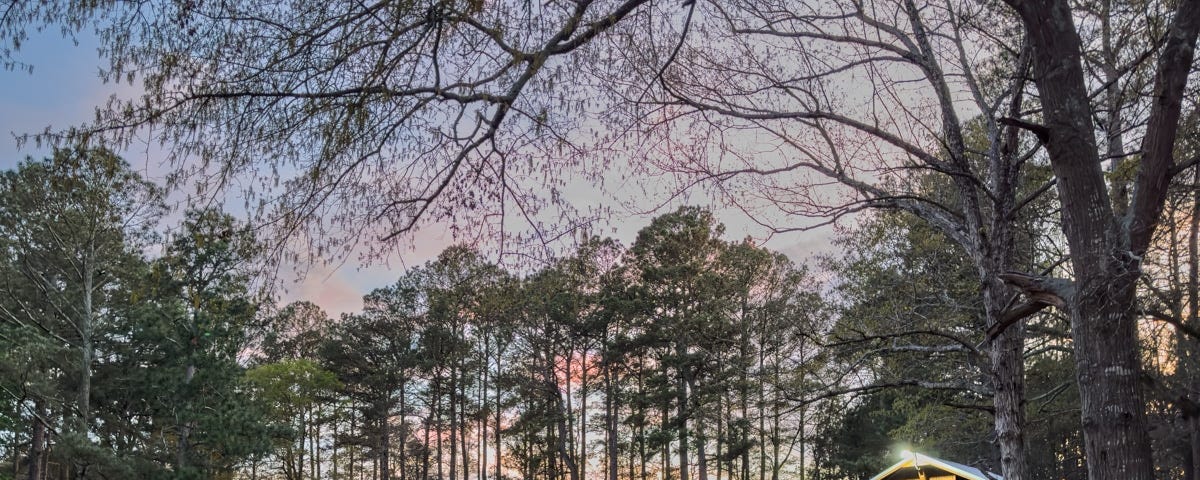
(1105, 247)
(37, 444)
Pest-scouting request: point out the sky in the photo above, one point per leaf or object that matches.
(64, 89)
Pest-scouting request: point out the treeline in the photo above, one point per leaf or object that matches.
(681, 353)
(126, 352)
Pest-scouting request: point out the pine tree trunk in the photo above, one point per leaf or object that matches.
(610, 425)
(453, 423)
(354, 429)
(289, 463)
(87, 352)
(563, 431)
(438, 439)
(314, 440)
(682, 412)
(404, 428)
(583, 394)
(496, 402)
(722, 421)
(185, 429)
(700, 441)
(633, 459)
(803, 443)
(483, 404)
(333, 454)
(743, 435)
(463, 422)
(641, 426)
(1007, 362)
(666, 445)
(425, 452)
(385, 442)
(37, 444)
(762, 404)
(775, 430)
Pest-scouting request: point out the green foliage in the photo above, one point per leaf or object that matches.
(154, 343)
(296, 331)
(909, 297)
(291, 386)
(857, 443)
(197, 333)
(72, 230)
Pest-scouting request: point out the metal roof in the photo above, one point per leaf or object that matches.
(918, 459)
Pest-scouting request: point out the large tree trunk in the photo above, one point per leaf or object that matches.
(1114, 420)
(1007, 368)
(1008, 381)
(37, 444)
(1106, 251)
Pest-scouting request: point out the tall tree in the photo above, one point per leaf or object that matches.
(170, 394)
(909, 319)
(375, 356)
(676, 258)
(205, 267)
(1107, 245)
(291, 388)
(74, 226)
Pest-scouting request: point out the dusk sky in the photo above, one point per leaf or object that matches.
(64, 89)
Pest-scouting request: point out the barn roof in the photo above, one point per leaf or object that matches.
(921, 460)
